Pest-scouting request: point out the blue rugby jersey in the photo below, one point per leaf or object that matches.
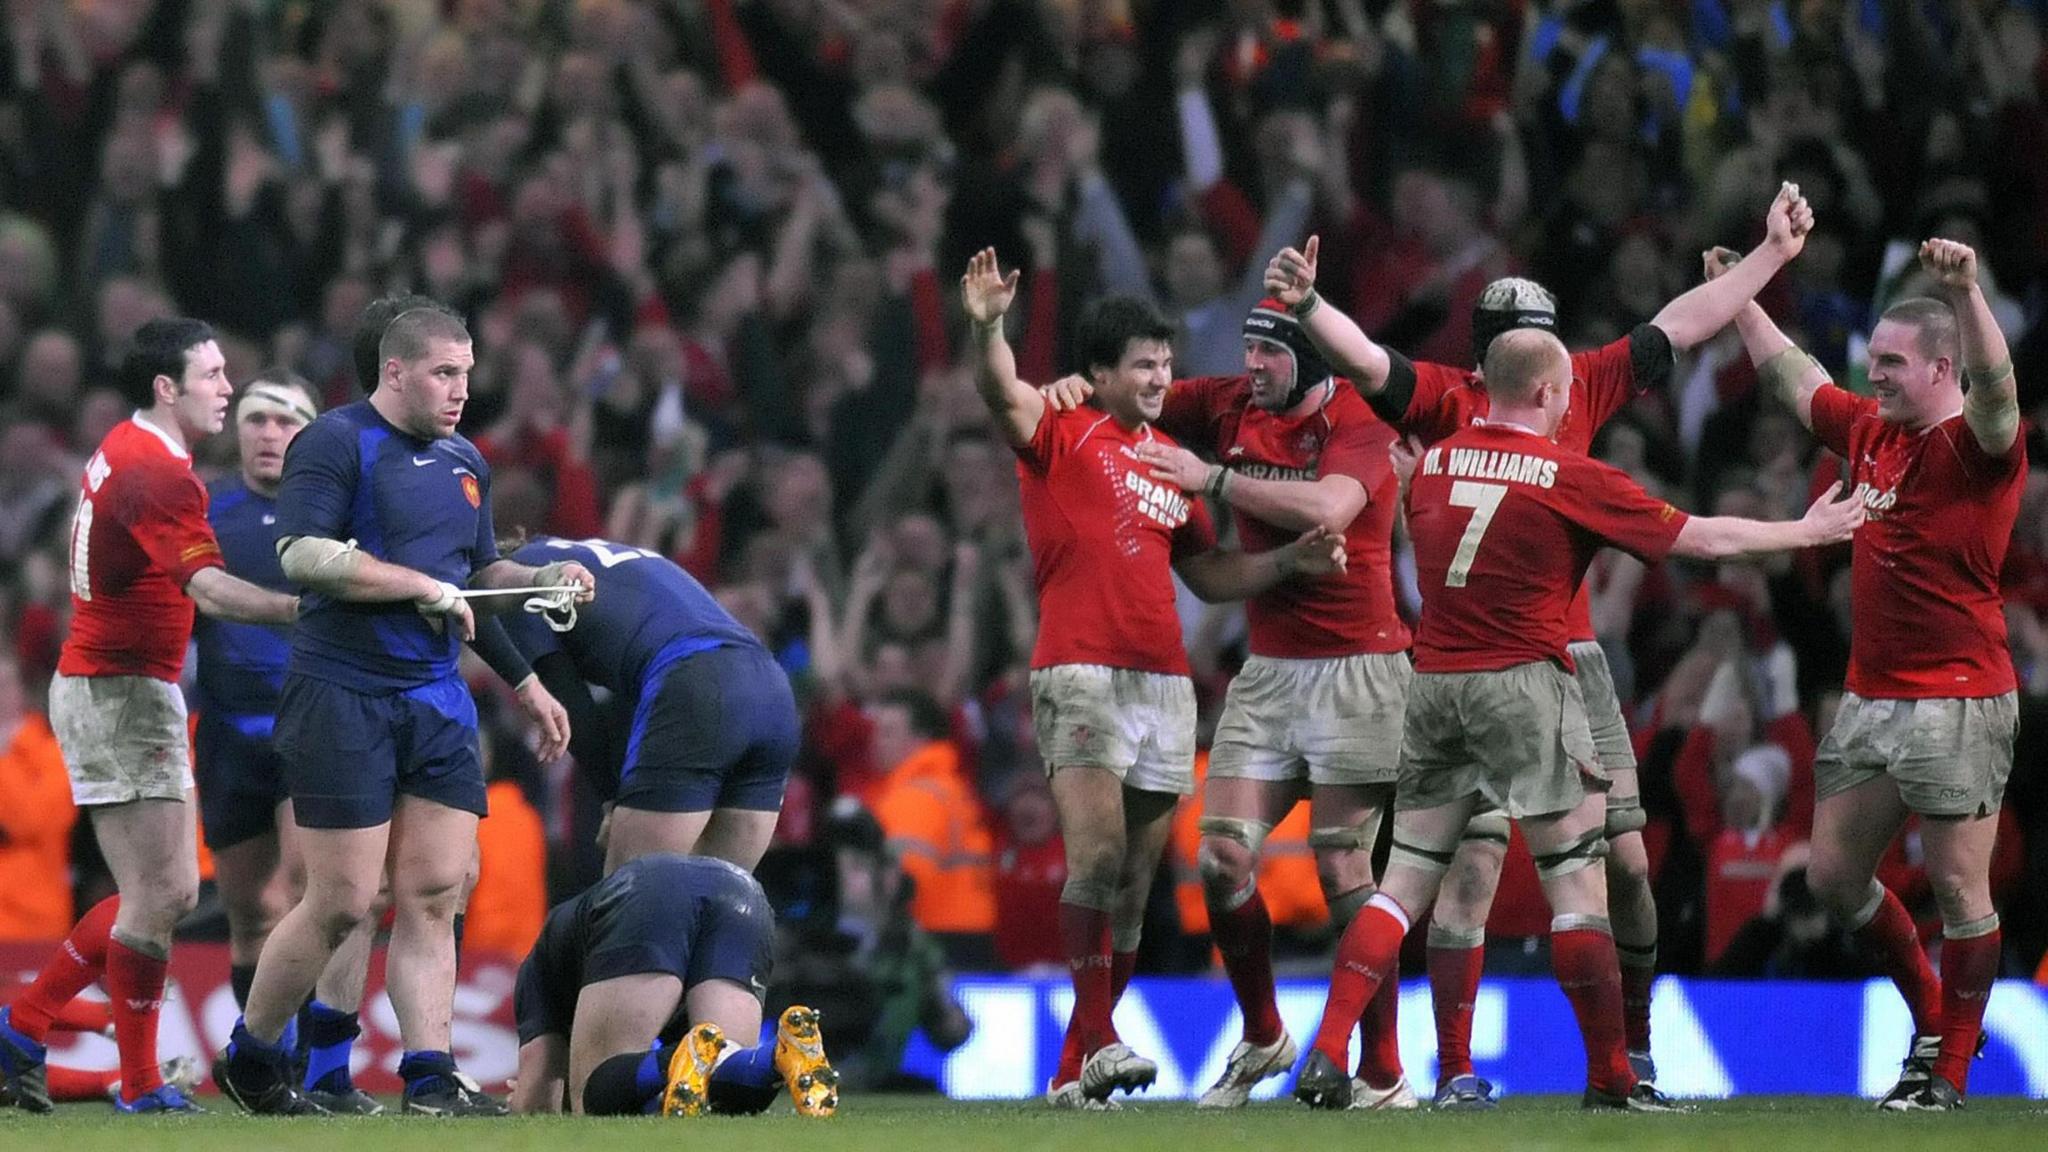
(241, 666)
(645, 603)
(421, 504)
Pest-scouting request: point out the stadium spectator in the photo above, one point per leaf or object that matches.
(35, 819)
(935, 825)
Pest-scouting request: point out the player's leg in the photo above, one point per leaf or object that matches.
(1349, 716)
(244, 822)
(1857, 811)
(1457, 955)
(1631, 906)
(1090, 804)
(1087, 753)
(1238, 811)
(26, 1023)
(1369, 953)
(338, 752)
(431, 848)
(1345, 820)
(1569, 847)
(1256, 774)
(333, 1022)
(253, 895)
(621, 1017)
(637, 832)
(1952, 770)
(151, 848)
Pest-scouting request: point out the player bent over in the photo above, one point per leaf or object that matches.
(714, 729)
(1505, 522)
(1111, 698)
(643, 995)
(1930, 715)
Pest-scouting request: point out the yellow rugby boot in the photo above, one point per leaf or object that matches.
(800, 1057)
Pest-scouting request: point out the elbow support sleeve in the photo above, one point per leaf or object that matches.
(316, 560)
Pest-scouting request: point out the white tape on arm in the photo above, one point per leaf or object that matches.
(317, 560)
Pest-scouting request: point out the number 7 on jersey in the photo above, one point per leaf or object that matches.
(1484, 500)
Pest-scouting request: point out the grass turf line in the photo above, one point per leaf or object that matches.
(1524, 1124)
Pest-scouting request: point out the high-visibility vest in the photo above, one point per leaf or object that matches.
(934, 825)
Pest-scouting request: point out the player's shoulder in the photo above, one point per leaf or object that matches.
(466, 450)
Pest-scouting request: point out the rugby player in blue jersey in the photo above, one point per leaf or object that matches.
(643, 995)
(383, 516)
(714, 725)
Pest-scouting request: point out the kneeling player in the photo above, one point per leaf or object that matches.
(639, 993)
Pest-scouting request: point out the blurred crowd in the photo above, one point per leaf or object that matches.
(708, 249)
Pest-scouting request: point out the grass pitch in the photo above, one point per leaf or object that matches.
(1523, 1124)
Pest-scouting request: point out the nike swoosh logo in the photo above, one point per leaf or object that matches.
(419, 463)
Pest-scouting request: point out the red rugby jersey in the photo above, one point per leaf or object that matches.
(1929, 617)
(1103, 538)
(1505, 523)
(1343, 614)
(139, 535)
(1447, 399)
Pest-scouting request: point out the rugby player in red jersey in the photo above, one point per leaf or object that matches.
(142, 556)
(1930, 715)
(1315, 712)
(1112, 702)
(1430, 401)
(1505, 521)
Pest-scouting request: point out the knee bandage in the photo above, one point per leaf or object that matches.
(1249, 833)
(1086, 893)
(1359, 837)
(1488, 827)
(1580, 922)
(1868, 912)
(1621, 821)
(1442, 935)
(1434, 860)
(1981, 927)
(1584, 852)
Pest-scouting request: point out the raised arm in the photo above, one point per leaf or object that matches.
(1991, 407)
(1787, 373)
(986, 294)
(1695, 316)
(1828, 521)
(1291, 279)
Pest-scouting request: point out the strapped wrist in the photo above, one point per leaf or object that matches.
(1307, 304)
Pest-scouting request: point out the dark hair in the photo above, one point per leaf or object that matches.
(158, 349)
(366, 349)
(1934, 325)
(927, 719)
(1109, 325)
